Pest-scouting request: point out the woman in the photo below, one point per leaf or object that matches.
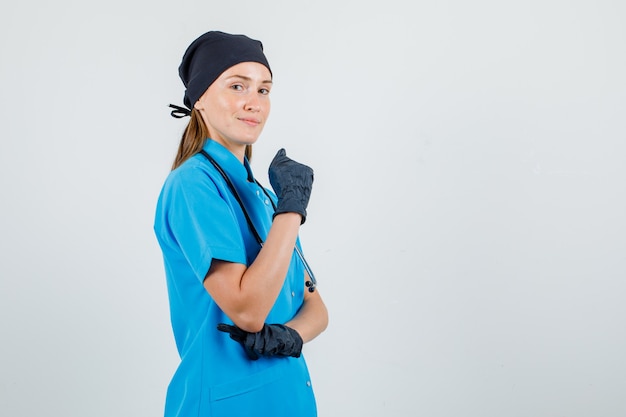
(240, 310)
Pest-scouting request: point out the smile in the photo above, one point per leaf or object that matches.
(251, 122)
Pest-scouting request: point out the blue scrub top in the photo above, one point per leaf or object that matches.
(198, 220)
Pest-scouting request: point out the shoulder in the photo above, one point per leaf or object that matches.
(192, 173)
(194, 183)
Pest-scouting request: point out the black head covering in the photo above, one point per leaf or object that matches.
(210, 55)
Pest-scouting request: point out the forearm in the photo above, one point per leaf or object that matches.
(247, 295)
(312, 319)
(264, 278)
(275, 339)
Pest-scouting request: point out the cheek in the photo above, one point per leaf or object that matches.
(222, 111)
(268, 107)
(225, 103)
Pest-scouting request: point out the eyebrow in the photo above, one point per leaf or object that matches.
(243, 77)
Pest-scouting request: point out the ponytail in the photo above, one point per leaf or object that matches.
(194, 138)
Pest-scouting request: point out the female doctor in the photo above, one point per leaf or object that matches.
(241, 301)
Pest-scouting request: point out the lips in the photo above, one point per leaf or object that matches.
(250, 122)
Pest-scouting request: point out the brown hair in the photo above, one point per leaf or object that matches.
(194, 138)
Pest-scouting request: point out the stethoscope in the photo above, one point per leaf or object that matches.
(310, 284)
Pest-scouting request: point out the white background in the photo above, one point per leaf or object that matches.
(466, 227)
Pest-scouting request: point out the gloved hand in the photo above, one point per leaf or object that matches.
(272, 340)
(292, 182)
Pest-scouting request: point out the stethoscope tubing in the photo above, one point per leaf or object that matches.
(309, 284)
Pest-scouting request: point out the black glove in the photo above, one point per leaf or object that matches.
(292, 182)
(272, 340)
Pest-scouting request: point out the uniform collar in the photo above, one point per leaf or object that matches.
(228, 161)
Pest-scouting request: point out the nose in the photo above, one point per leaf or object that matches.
(253, 103)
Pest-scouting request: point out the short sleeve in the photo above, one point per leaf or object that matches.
(198, 221)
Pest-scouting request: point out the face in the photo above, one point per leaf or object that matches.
(236, 106)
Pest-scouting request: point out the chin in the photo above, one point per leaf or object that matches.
(249, 141)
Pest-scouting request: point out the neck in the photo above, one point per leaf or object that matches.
(236, 149)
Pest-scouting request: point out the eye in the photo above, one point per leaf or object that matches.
(237, 87)
(264, 91)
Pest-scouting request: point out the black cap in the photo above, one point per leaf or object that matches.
(210, 55)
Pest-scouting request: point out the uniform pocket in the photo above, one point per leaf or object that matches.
(241, 386)
(272, 392)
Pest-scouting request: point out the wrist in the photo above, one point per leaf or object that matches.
(289, 216)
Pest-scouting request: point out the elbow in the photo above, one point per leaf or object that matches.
(249, 323)
(325, 319)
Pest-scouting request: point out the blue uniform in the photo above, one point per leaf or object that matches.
(198, 220)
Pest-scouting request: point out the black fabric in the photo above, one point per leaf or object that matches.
(179, 112)
(272, 340)
(292, 182)
(210, 55)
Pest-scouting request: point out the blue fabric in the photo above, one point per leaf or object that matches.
(198, 220)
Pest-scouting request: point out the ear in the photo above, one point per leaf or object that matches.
(200, 104)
